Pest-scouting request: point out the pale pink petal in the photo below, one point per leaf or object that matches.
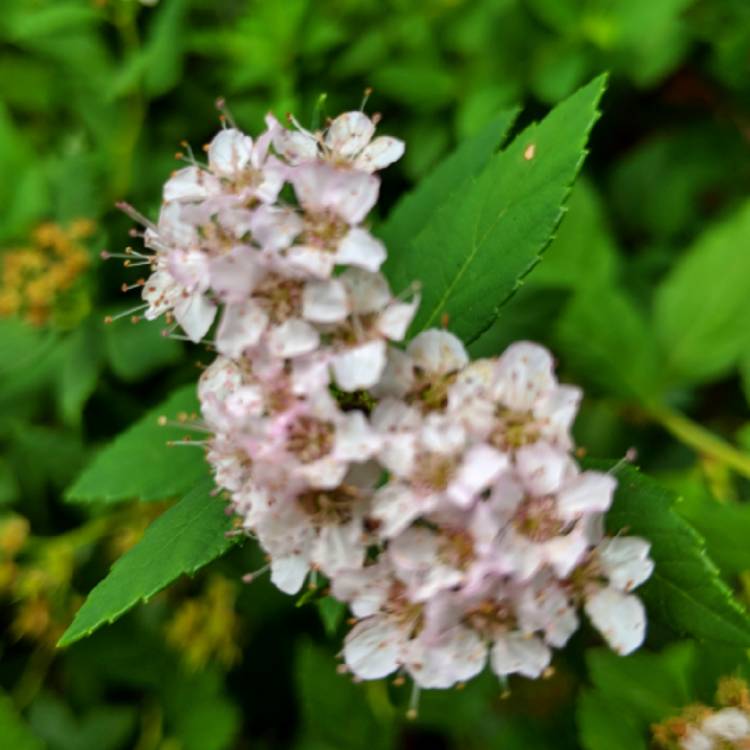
(542, 467)
(292, 338)
(272, 178)
(457, 656)
(590, 492)
(353, 195)
(619, 617)
(524, 375)
(235, 274)
(365, 589)
(310, 373)
(295, 146)
(355, 438)
(397, 453)
(288, 573)
(161, 292)
(195, 314)
(395, 507)
(325, 301)
(696, 740)
(312, 260)
(360, 248)
(191, 184)
(437, 352)
(274, 227)
(381, 152)
(349, 133)
(372, 648)
(241, 326)
(360, 366)
(560, 410)
(481, 466)
(368, 292)
(516, 653)
(229, 152)
(326, 473)
(563, 553)
(339, 547)
(395, 320)
(397, 378)
(625, 561)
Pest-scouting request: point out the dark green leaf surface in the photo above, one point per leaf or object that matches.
(474, 252)
(685, 592)
(702, 309)
(188, 536)
(139, 463)
(14, 734)
(135, 351)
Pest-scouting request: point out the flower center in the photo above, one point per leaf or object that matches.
(281, 298)
(514, 429)
(323, 230)
(536, 518)
(433, 471)
(328, 507)
(309, 438)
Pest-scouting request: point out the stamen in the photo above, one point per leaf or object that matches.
(125, 313)
(250, 577)
(413, 711)
(365, 96)
(188, 442)
(226, 115)
(631, 455)
(135, 215)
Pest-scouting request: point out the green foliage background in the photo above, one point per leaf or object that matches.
(644, 295)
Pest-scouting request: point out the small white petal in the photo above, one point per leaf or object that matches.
(195, 313)
(349, 133)
(311, 260)
(625, 561)
(191, 184)
(324, 301)
(372, 648)
(292, 338)
(360, 366)
(395, 320)
(355, 438)
(339, 547)
(515, 653)
(728, 723)
(241, 327)
(360, 248)
(274, 228)
(229, 152)
(381, 152)
(619, 617)
(590, 492)
(235, 274)
(438, 352)
(288, 573)
(395, 507)
(481, 466)
(524, 375)
(368, 292)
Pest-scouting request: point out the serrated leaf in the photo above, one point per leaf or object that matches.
(474, 252)
(139, 463)
(685, 592)
(603, 726)
(13, 731)
(440, 187)
(188, 536)
(702, 308)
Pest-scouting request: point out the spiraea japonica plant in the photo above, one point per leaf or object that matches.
(347, 429)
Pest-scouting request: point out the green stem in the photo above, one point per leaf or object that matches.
(699, 438)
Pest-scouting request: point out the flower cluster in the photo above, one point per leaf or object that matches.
(439, 497)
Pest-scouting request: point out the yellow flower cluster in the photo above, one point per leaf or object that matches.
(206, 628)
(34, 277)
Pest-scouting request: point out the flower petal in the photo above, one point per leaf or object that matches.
(619, 617)
(325, 301)
(360, 248)
(360, 366)
(378, 154)
(372, 648)
(516, 653)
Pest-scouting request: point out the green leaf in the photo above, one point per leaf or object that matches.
(474, 252)
(724, 525)
(80, 371)
(188, 536)
(140, 464)
(165, 47)
(14, 732)
(332, 613)
(336, 713)
(685, 593)
(412, 213)
(604, 726)
(703, 306)
(135, 351)
(607, 342)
